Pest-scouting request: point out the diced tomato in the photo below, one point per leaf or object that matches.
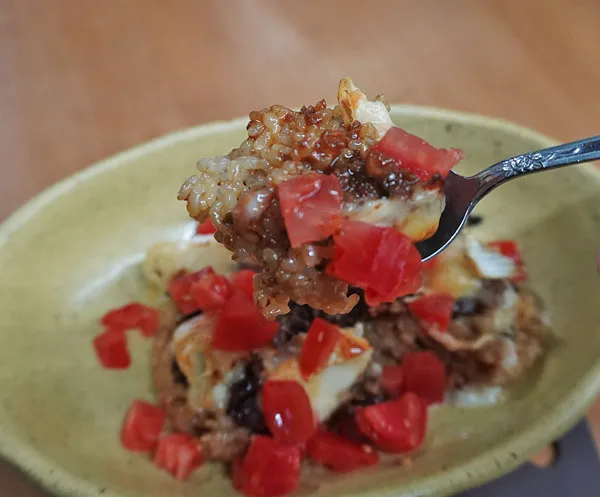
(433, 311)
(311, 206)
(397, 266)
(236, 472)
(429, 264)
(382, 261)
(392, 380)
(302, 448)
(210, 291)
(339, 454)
(244, 280)
(397, 425)
(287, 410)
(179, 454)
(425, 376)
(180, 290)
(134, 315)
(269, 469)
(509, 248)
(415, 155)
(205, 228)
(240, 327)
(142, 426)
(111, 349)
(355, 248)
(318, 346)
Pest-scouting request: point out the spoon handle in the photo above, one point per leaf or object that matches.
(567, 154)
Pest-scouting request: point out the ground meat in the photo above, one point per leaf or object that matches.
(243, 407)
(223, 439)
(492, 292)
(488, 365)
(392, 331)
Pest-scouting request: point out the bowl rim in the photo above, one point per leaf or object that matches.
(508, 455)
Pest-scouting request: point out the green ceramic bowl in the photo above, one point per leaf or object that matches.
(75, 251)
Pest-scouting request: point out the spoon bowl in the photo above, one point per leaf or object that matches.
(463, 193)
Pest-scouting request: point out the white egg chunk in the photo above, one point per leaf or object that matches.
(355, 106)
(188, 340)
(328, 388)
(510, 358)
(416, 217)
(209, 372)
(488, 262)
(475, 396)
(220, 392)
(505, 316)
(165, 259)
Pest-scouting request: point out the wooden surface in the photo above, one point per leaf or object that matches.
(83, 79)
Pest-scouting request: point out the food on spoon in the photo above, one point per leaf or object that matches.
(307, 187)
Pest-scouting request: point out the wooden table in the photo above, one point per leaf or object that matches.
(83, 79)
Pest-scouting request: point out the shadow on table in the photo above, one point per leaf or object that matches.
(576, 473)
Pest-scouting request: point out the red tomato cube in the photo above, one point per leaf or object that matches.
(395, 426)
(142, 426)
(433, 311)
(179, 454)
(236, 472)
(392, 380)
(318, 346)
(205, 228)
(244, 280)
(179, 290)
(382, 261)
(111, 349)
(425, 376)
(339, 454)
(240, 327)
(397, 265)
(311, 206)
(133, 315)
(287, 410)
(269, 469)
(210, 291)
(415, 155)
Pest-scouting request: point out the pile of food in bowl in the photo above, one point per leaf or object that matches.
(329, 341)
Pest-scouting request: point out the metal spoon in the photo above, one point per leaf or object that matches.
(463, 193)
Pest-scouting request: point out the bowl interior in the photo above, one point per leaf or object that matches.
(75, 251)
